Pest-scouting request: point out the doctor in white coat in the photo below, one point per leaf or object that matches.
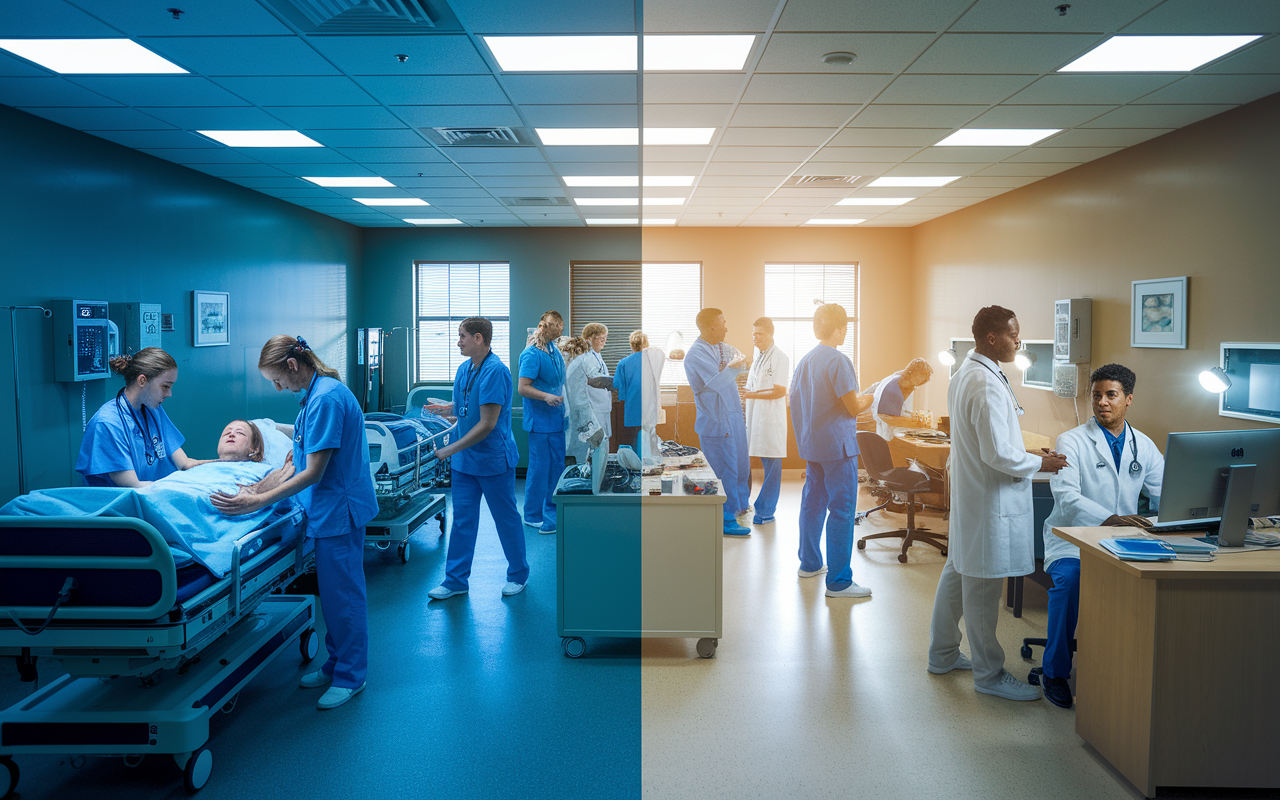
(1111, 464)
(991, 534)
(765, 395)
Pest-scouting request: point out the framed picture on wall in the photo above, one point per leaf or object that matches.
(211, 318)
(1159, 313)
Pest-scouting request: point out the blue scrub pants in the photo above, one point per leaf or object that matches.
(727, 455)
(767, 498)
(830, 499)
(499, 493)
(546, 462)
(340, 575)
(1064, 610)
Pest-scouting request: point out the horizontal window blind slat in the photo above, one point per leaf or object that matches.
(449, 292)
(609, 294)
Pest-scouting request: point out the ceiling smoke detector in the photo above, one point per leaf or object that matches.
(839, 59)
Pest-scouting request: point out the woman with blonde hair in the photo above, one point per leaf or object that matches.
(599, 381)
(582, 414)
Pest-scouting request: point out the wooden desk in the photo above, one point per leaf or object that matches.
(1176, 666)
(933, 454)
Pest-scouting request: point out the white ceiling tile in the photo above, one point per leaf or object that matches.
(873, 155)
(335, 117)
(744, 170)
(777, 154)
(1076, 155)
(237, 170)
(464, 155)
(788, 116)
(863, 168)
(527, 182)
(870, 15)
(787, 88)
(746, 193)
(200, 18)
(14, 67)
(587, 153)
(707, 16)
(52, 18)
(888, 137)
(1008, 182)
(280, 156)
(746, 181)
(773, 137)
(165, 90)
(250, 55)
(693, 88)
(376, 55)
(100, 119)
(1259, 57)
(1039, 170)
(430, 192)
(726, 203)
(1194, 16)
(818, 194)
(1216, 89)
(620, 167)
(376, 155)
(686, 115)
(963, 155)
(458, 116)
(466, 90)
(407, 175)
(1089, 89)
(963, 192)
(1105, 137)
(876, 52)
(1003, 53)
(658, 168)
(1156, 116)
(508, 169)
(246, 118)
(1022, 17)
(202, 156)
(160, 139)
(518, 16)
(49, 92)
(1025, 116)
(916, 116)
(402, 137)
(298, 91)
(255, 183)
(914, 170)
(659, 153)
(571, 89)
(582, 116)
(953, 89)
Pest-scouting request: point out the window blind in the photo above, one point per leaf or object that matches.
(671, 300)
(447, 293)
(792, 292)
(608, 294)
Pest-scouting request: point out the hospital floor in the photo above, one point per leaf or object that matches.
(472, 697)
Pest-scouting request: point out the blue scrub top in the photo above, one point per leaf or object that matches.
(490, 385)
(114, 442)
(627, 380)
(824, 429)
(715, 390)
(891, 399)
(344, 498)
(546, 369)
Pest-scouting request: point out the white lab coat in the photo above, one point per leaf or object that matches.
(601, 399)
(767, 419)
(1090, 489)
(654, 359)
(581, 411)
(991, 531)
(883, 428)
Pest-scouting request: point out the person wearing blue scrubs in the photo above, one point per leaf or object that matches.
(824, 413)
(712, 369)
(542, 387)
(331, 477)
(627, 379)
(130, 440)
(482, 458)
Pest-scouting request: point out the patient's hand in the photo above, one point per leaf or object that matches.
(244, 501)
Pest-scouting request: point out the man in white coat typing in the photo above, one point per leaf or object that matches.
(1111, 463)
(991, 534)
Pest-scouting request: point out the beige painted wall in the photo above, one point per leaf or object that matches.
(1201, 201)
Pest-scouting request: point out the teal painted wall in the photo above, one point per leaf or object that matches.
(86, 218)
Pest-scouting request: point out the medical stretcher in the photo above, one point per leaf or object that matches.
(404, 466)
(151, 651)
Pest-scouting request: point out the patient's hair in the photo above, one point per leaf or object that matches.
(1115, 372)
(480, 325)
(765, 323)
(829, 318)
(706, 317)
(574, 347)
(992, 319)
(148, 362)
(256, 446)
(919, 366)
(279, 349)
(639, 340)
(593, 329)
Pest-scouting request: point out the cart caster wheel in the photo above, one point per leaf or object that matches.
(404, 552)
(944, 552)
(902, 558)
(196, 772)
(574, 647)
(441, 519)
(11, 773)
(381, 545)
(707, 647)
(309, 644)
(862, 544)
(1033, 677)
(1026, 651)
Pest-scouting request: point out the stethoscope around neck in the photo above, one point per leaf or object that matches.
(1017, 407)
(157, 444)
(1135, 466)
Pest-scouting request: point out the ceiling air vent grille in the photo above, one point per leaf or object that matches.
(517, 202)
(823, 180)
(478, 137)
(361, 17)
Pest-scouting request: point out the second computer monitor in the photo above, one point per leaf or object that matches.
(1206, 477)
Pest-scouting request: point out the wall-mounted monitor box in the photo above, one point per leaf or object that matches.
(1073, 329)
(1254, 370)
(962, 348)
(1040, 374)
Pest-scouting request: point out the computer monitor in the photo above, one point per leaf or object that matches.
(1221, 476)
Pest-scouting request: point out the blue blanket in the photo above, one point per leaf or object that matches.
(177, 506)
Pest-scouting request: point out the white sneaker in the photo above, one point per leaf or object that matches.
(512, 588)
(962, 662)
(335, 696)
(1010, 688)
(442, 592)
(852, 590)
(314, 680)
(803, 573)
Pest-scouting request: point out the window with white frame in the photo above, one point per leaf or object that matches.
(445, 294)
(792, 292)
(671, 297)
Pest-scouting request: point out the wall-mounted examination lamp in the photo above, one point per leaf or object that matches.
(1023, 359)
(948, 357)
(1215, 380)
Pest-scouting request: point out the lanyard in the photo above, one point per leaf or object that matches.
(157, 444)
(300, 425)
(1016, 405)
(472, 374)
(551, 351)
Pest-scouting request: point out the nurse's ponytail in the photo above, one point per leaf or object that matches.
(279, 349)
(149, 362)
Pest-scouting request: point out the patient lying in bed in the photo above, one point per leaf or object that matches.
(178, 505)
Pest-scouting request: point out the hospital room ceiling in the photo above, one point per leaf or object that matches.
(378, 84)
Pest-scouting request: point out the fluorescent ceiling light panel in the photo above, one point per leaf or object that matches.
(834, 221)
(678, 135)
(874, 201)
(92, 56)
(616, 221)
(996, 137)
(664, 201)
(1156, 53)
(655, 221)
(606, 201)
(435, 221)
(607, 181)
(588, 136)
(695, 53)
(391, 201)
(941, 180)
(261, 138)
(563, 53)
(350, 183)
(668, 180)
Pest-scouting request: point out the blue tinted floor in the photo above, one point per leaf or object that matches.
(469, 697)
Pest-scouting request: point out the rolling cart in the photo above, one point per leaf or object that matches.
(382, 532)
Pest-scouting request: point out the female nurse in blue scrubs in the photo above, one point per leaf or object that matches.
(130, 440)
(331, 478)
(542, 387)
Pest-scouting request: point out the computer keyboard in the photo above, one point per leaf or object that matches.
(1185, 527)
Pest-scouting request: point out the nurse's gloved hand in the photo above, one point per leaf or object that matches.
(554, 400)
(245, 501)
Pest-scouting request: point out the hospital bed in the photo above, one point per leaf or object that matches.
(404, 466)
(152, 650)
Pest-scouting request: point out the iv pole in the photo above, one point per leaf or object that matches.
(17, 398)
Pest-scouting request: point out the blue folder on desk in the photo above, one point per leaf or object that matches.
(1139, 549)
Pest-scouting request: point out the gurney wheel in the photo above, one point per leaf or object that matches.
(440, 517)
(309, 644)
(404, 552)
(11, 770)
(862, 544)
(707, 647)
(574, 647)
(196, 774)
(902, 558)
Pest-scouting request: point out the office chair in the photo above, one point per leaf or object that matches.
(1037, 673)
(873, 453)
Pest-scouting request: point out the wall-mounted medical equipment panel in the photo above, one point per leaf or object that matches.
(81, 333)
(139, 325)
(1073, 330)
(1254, 371)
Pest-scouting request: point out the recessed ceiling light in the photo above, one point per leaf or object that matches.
(941, 180)
(996, 137)
(658, 221)
(92, 56)
(261, 138)
(613, 221)
(690, 53)
(668, 180)
(606, 201)
(874, 201)
(563, 53)
(391, 201)
(664, 201)
(588, 136)
(678, 135)
(435, 221)
(1156, 53)
(829, 221)
(350, 183)
(601, 180)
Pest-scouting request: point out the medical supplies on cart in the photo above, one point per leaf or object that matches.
(402, 456)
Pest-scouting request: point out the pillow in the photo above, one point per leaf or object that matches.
(277, 445)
